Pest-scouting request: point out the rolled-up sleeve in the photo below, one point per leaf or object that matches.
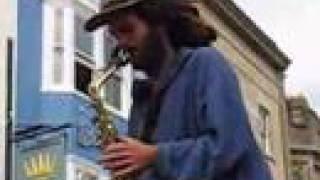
(223, 131)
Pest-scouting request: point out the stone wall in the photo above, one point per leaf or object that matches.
(261, 84)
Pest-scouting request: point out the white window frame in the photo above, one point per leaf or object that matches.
(266, 134)
(81, 60)
(91, 5)
(49, 46)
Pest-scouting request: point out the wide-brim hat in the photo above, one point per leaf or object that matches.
(108, 7)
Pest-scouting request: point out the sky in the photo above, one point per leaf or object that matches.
(294, 25)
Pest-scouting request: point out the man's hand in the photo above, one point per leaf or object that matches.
(127, 155)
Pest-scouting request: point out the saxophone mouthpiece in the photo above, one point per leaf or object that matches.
(121, 57)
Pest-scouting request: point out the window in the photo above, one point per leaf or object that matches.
(301, 171)
(83, 76)
(110, 44)
(83, 40)
(84, 62)
(55, 47)
(58, 26)
(118, 89)
(113, 93)
(265, 130)
(113, 86)
(58, 48)
(298, 118)
(297, 174)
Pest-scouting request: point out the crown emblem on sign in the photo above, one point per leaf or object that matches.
(40, 166)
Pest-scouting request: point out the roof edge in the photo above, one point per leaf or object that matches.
(250, 32)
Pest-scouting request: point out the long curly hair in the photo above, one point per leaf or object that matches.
(179, 18)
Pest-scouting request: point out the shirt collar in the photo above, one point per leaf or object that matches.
(169, 70)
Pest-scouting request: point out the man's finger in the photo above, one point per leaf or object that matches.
(125, 139)
(119, 164)
(125, 171)
(115, 147)
(115, 156)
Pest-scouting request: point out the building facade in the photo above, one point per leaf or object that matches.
(260, 67)
(56, 59)
(6, 53)
(304, 139)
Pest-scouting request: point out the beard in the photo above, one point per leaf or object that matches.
(152, 53)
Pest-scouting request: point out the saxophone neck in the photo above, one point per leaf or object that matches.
(97, 84)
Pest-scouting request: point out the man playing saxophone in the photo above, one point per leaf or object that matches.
(188, 121)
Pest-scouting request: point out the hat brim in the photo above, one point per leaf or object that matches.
(97, 21)
(105, 17)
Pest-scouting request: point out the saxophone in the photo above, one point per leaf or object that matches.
(107, 131)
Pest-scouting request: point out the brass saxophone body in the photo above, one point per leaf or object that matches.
(107, 131)
(105, 126)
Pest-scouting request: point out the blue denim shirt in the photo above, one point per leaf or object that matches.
(202, 130)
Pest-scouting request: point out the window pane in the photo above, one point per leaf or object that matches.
(265, 130)
(297, 172)
(83, 77)
(113, 92)
(58, 26)
(83, 39)
(109, 46)
(113, 86)
(58, 66)
(58, 51)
